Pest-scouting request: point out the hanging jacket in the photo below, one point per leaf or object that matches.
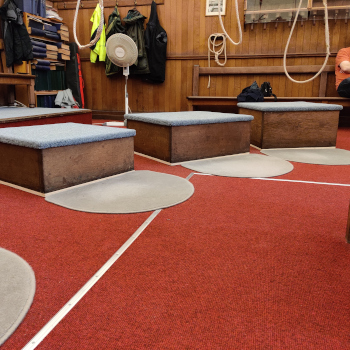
(135, 29)
(114, 27)
(156, 44)
(18, 47)
(74, 78)
(99, 49)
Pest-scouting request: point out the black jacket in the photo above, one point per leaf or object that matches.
(18, 46)
(156, 44)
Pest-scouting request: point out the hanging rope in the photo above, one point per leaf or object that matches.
(212, 45)
(99, 29)
(239, 26)
(327, 45)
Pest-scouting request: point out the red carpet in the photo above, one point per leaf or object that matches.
(243, 264)
(65, 248)
(247, 264)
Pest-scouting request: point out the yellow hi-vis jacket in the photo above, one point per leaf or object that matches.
(99, 49)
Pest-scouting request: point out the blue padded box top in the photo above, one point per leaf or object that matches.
(23, 112)
(188, 118)
(298, 106)
(63, 134)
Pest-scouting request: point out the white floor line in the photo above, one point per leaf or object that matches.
(286, 180)
(300, 181)
(40, 336)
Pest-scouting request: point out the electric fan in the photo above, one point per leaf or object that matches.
(122, 51)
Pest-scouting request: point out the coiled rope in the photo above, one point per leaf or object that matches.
(212, 45)
(327, 45)
(99, 29)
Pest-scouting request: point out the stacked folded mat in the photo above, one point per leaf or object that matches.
(41, 29)
(49, 31)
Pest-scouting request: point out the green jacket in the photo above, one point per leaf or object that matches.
(114, 26)
(135, 29)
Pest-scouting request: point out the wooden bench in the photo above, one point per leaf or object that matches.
(10, 78)
(196, 102)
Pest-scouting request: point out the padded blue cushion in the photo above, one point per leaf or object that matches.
(188, 118)
(8, 113)
(297, 106)
(57, 135)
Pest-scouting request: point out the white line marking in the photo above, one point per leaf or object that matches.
(22, 189)
(39, 337)
(285, 180)
(300, 181)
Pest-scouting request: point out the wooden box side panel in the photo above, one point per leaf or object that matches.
(300, 129)
(21, 166)
(152, 139)
(256, 137)
(72, 165)
(209, 140)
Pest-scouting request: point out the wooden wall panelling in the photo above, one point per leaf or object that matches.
(188, 30)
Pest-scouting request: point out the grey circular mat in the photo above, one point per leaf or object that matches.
(324, 156)
(241, 165)
(132, 192)
(17, 289)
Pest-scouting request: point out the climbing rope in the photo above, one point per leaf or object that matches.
(239, 26)
(213, 45)
(99, 29)
(327, 45)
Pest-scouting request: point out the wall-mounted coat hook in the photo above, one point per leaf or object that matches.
(346, 16)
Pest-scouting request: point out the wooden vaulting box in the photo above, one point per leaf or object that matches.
(47, 158)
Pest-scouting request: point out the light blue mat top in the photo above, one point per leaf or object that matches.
(188, 118)
(297, 106)
(25, 112)
(62, 134)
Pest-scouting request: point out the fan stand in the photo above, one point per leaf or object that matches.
(126, 74)
(122, 51)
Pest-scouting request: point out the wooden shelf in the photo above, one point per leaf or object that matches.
(48, 20)
(27, 65)
(46, 92)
